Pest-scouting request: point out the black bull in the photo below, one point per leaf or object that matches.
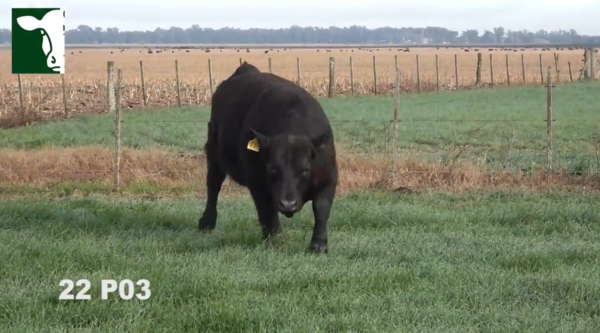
(271, 136)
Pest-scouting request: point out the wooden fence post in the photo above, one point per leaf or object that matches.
(523, 68)
(144, 96)
(118, 132)
(210, 78)
(456, 70)
(351, 76)
(549, 116)
(541, 69)
(492, 70)
(110, 86)
(418, 74)
(21, 103)
(177, 82)
(556, 69)
(270, 66)
(593, 63)
(478, 72)
(586, 60)
(29, 101)
(298, 71)
(395, 143)
(374, 76)
(437, 72)
(64, 93)
(570, 72)
(507, 72)
(331, 76)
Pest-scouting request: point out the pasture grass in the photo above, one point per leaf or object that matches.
(493, 262)
(503, 128)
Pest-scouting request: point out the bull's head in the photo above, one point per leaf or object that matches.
(288, 161)
(52, 28)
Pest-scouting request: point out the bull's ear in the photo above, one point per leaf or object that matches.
(28, 23)
(263, 140)
(320, 143)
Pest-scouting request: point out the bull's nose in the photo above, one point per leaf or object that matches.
(287, 205)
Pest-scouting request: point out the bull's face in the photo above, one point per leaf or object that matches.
(288, 160)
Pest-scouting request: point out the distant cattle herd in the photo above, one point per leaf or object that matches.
(406, 49)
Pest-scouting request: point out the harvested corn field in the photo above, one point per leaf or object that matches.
(424, 69)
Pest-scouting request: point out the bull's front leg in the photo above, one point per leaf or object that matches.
(267, 213)
(321, 209)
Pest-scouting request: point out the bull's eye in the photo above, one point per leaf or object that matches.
(273, 170)
(305, 171)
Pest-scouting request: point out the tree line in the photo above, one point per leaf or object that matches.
(313, 35)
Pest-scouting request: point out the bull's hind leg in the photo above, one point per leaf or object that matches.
(215, 177)
(214, 181)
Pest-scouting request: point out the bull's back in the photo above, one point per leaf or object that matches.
(236, 96)
(287, 108)
(231, 104)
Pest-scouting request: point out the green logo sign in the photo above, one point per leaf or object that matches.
(38, 41)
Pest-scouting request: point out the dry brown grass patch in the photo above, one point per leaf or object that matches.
(47, 167)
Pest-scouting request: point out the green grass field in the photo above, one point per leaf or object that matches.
(505, 127)
(492, 262)
(479, 261)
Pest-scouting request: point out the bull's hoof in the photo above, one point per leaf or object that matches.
(318, 248)
(205, 228)
(207, 223)
(271, 233)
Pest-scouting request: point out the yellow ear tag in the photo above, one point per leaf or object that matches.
(253, 145)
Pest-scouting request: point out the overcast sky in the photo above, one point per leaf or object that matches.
(581, 15)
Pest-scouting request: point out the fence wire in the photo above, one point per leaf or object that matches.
(359, 74)
(438, 151)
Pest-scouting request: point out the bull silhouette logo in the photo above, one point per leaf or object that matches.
(38, 41)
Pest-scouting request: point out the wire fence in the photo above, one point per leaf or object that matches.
(450, 150)
(24, 101)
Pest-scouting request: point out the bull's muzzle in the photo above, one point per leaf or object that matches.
(288, 207)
